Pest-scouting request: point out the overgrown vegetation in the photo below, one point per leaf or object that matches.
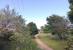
(52, 43)
(58, 26)
(70, 16)
(32, 29)
(61, 29)
(14, 35)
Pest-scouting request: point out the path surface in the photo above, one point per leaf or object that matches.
(42, 45)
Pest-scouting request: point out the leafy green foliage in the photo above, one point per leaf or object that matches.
(32, 28)
(14, 34)
(46, 29)
(70, 13)
(70, 38)
(69, 43)
(58, 25)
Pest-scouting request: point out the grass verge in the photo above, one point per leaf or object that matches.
(55, 44)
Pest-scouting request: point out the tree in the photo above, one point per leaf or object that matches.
(13, 32)
(32, 28)
(70, 13)
(46, 28)
(58, 25)
(70, 16)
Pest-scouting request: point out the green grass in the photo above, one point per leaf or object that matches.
(55, 44)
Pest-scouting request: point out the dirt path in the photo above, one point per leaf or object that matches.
(42, 45)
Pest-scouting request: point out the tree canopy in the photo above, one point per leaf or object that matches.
(14, 34)
(58, 24)
(70, 13)
(32, 28)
